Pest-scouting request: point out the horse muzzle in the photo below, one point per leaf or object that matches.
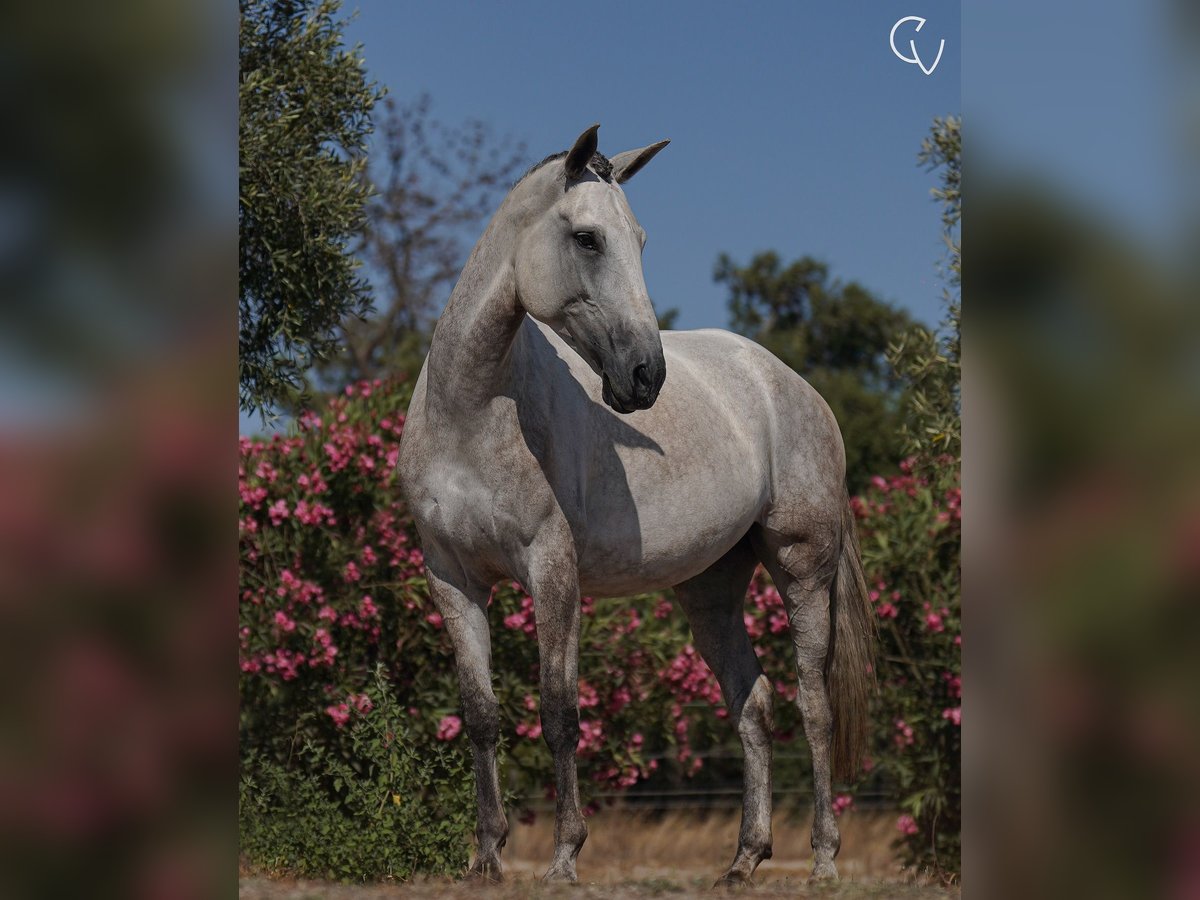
(639, 390)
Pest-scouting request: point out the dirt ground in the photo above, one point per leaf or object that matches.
(631, 855)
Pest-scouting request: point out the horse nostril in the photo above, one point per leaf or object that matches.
(641, 377)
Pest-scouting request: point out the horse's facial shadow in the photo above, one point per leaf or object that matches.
(574, 439)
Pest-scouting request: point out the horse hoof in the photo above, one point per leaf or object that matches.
(733, 880)
(486, 871)
(560, 875)
(823, 872)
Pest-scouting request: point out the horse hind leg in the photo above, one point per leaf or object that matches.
(803, 574)
(464, 612)
(713, 602)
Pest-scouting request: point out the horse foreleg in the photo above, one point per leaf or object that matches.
(713, 602)
(464, 611)
(556, 608)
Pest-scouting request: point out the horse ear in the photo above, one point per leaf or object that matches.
(626, 165)
(581, 154)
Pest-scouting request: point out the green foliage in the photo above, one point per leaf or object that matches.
(386, 806)
(304, 105)
(930, 363)
(942, 149)
(834, 334)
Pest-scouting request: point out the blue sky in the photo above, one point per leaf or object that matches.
(793, 126)
(1089, 96)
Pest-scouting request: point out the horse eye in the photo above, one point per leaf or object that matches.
(586, 240)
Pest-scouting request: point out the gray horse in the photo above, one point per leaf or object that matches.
(556, 437)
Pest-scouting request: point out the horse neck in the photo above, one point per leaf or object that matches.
(469, 354)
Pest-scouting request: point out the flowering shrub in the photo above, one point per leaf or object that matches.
(394, 808)
(910, 527)
(332, 589)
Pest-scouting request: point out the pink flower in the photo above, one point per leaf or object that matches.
(954, 715)
(591, 735)
(934, 623)
(587, 695)
(278, 511)
(434, 619)
(907, 825)
(621, 698)
(953, 683)
(339, 713)
(527, 730)
(841, 803)
(449, 728)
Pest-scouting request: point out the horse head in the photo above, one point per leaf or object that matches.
(579, 269)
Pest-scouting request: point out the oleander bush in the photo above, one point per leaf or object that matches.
(910, 526)
(349, 697)
(392, 808)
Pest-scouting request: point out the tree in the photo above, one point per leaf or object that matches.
(930, 363)
(834, 334)
(305, 107)
(436, 185)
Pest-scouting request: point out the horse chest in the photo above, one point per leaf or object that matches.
(478, 502)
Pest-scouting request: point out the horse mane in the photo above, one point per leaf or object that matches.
(599, 164)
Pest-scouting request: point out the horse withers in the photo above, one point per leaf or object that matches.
(557, 438)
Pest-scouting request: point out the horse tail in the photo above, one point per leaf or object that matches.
(849, 664)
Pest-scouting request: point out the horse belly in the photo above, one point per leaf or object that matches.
(668, 532)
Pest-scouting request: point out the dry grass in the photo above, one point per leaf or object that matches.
(680, 854)
(623, 844)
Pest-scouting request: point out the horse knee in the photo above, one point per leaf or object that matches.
(482, 715)
(560, 727)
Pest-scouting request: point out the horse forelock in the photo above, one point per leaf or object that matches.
(599, 164)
